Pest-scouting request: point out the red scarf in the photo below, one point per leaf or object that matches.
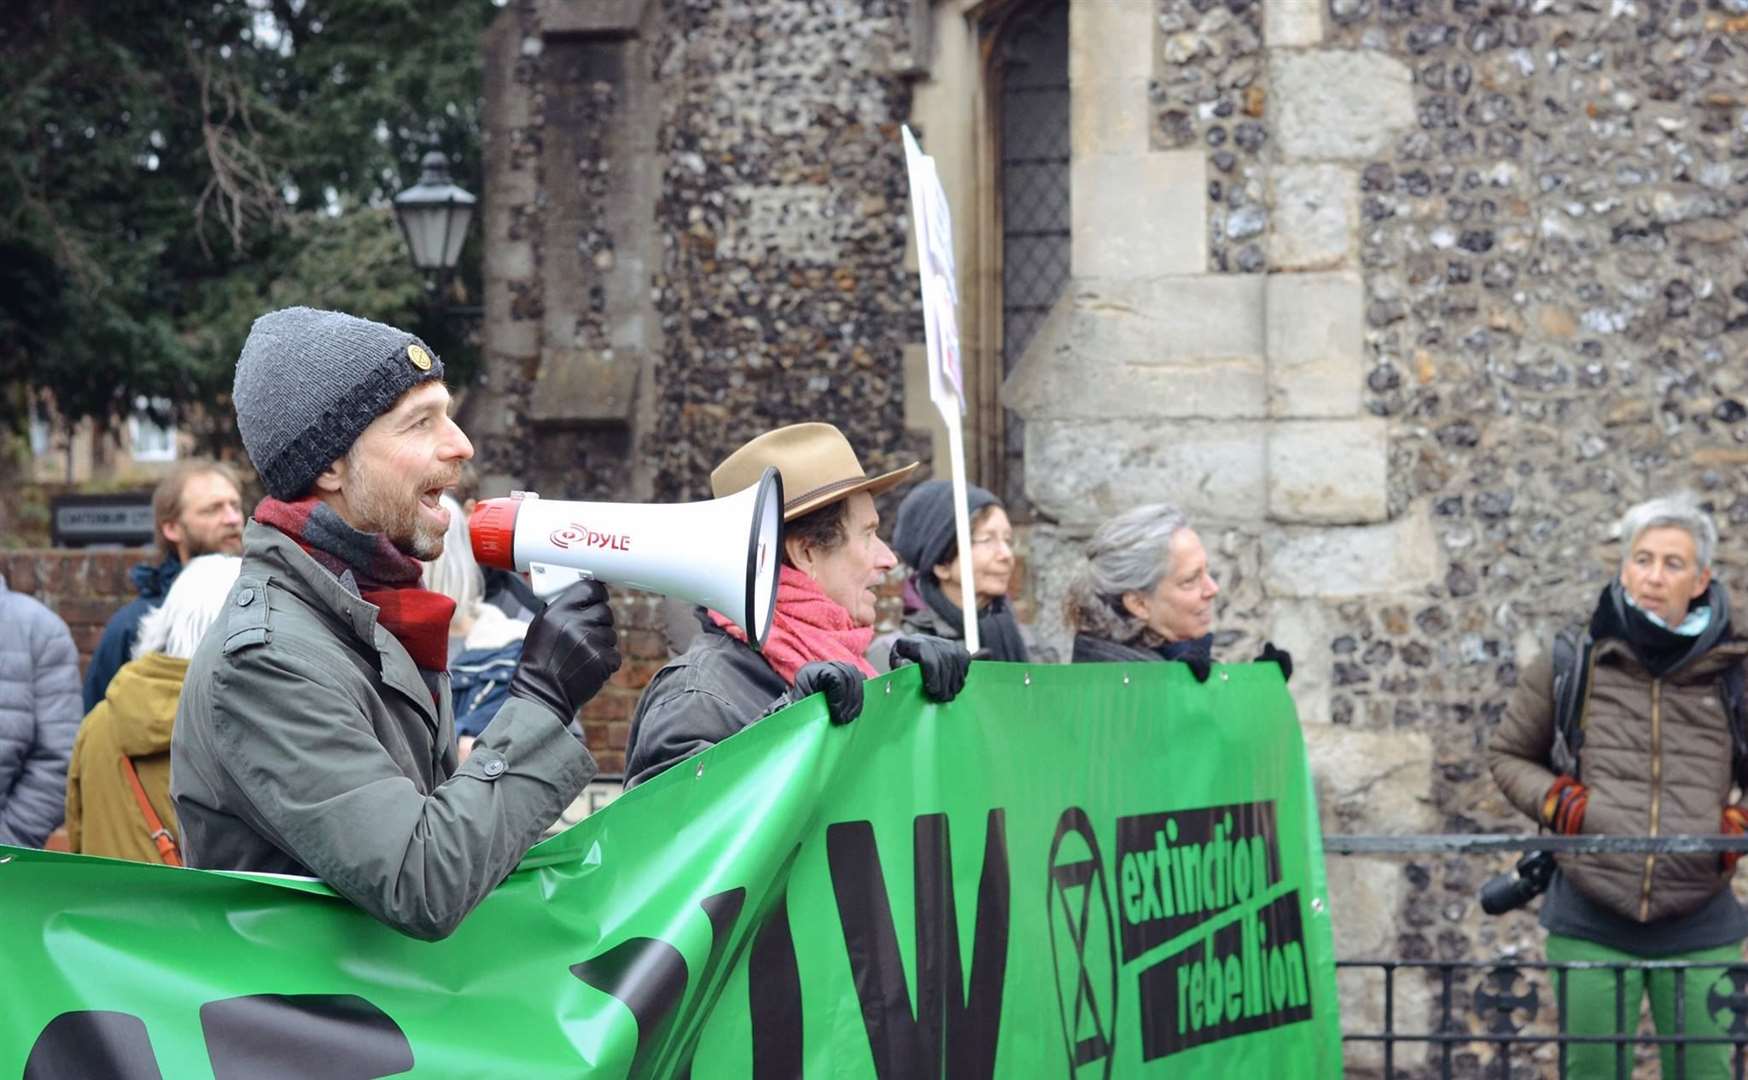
(808, 626)
(386, 576)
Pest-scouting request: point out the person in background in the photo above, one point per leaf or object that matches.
(1655, 752)
(485, 644)
(1144, 592)
(925, 537)
(197, 508)
(824, 622)
(118, 787)
(39, 717)
(505, 590)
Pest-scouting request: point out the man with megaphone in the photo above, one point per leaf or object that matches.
(824, 620)
(316, 733)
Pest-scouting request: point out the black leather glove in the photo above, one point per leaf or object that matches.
(1279, 656)
(1200, 666)
(570, 651)
(841, 683)
(944, 663)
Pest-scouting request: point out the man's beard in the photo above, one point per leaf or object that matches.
(218, 542)
(382, 505)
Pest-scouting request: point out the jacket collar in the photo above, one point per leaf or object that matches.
(1089, 649)
(142, 703)
(153, 582)
(309, 579)
(337, 598)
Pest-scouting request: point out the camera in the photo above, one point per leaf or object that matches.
(1508, 892)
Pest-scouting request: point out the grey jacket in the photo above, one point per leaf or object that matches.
(39, 717)
(715, 688)
(308, 742)
(921, 620)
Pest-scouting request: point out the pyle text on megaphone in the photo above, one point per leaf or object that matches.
(723, 553)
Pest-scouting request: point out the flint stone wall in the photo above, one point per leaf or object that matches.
(1544, 205)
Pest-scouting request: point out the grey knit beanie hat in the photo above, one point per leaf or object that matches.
(309, 382)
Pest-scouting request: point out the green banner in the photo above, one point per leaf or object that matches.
(1088, 871)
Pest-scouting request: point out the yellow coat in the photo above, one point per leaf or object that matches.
(134, 719)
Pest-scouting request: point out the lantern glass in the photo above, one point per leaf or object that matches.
(434, 215)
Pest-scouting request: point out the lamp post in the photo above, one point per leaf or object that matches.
(434, 215)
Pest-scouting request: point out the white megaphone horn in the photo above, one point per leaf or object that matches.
(723, 553)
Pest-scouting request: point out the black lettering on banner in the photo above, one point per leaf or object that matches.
(1077, 891)
(723, 911)
(649, 977)
(1244, 977)
(774, 999)
(77, 1045)
(294, 1036)
(951, 1033)
(1177, 870)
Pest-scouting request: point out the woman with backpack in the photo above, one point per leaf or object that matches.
(1648, 750)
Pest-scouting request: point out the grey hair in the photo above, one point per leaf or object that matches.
(1679, 511)
(1129, 553)
(194, 601)
(454, 573)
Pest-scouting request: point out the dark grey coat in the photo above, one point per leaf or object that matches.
(39, 717)
(1097, 650)
(308, 742)
(715, 688)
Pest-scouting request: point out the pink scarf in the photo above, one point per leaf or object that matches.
(808, 626)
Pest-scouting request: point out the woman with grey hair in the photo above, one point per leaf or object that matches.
(118, 787)
(1144, 592)
(1641, 742)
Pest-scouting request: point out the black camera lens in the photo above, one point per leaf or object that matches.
(1508, 892)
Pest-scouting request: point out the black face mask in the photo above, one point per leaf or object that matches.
(1199, 648)
(1660, 649)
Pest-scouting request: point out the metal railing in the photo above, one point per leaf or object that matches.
(1500, 1006)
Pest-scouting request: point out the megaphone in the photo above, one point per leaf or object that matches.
(723, 553)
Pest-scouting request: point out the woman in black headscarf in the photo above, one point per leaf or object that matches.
(925, 539)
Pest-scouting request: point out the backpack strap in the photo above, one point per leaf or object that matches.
(1573, 647)
(167, 849)
(1730, 688)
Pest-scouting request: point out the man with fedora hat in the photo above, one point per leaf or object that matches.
(315, 733)
(824, 622)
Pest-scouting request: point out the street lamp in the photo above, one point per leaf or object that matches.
(434, 215)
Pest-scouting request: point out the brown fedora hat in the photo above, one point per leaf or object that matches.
(817, 464)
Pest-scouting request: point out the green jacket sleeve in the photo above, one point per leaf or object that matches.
(312, 774)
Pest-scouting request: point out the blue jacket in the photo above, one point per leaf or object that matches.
(116, 646)
(39, 717)
(479, 680)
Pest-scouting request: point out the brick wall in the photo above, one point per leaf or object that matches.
(83, 587)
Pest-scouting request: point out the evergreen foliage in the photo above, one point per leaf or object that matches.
(176, 168)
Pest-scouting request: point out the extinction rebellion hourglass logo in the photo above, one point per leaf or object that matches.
(1083, 943)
